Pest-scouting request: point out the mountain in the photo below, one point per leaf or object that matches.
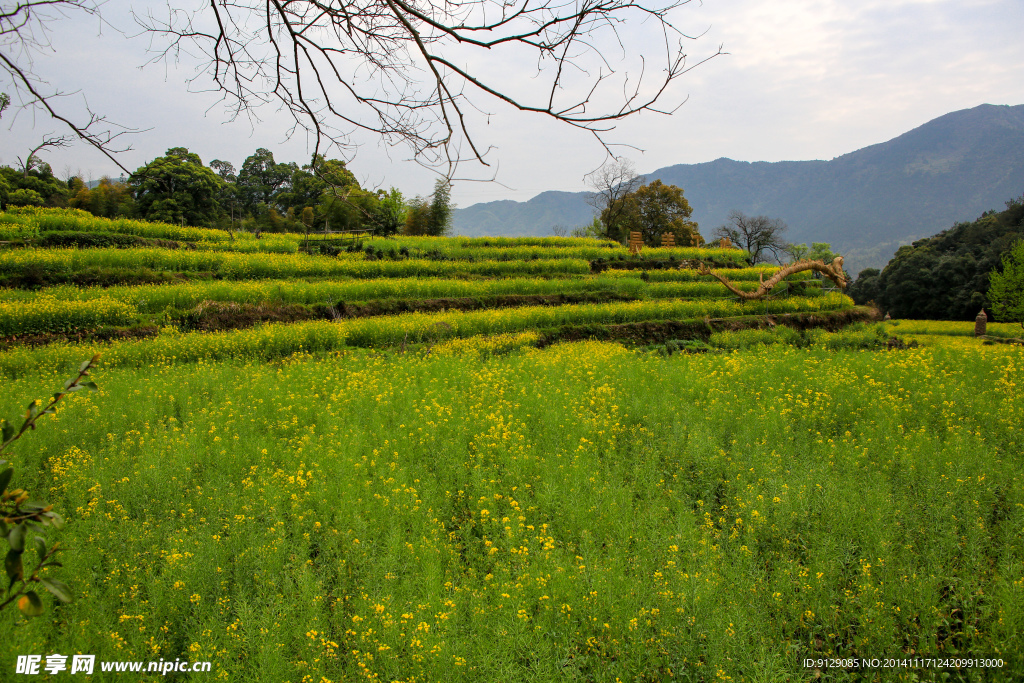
(866, 203)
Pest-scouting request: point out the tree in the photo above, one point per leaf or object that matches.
(417, 217)
(107, 199)
(655, 209)
(32, 161)
(25, 197)
(946, 276)
(224, 169)
(818, 251)
(1006, 288)
(175, 188)
(261, 178)
(865, 287)
(398, 69)
(757, 235)
(390, 215)
(431, 216)
(611, 183)
(39, 180)
(439, 221)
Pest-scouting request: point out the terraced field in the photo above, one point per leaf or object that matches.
(501, 460)
(431, 290)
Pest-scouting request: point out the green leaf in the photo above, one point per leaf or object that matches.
(5, 477)
(84, 366)
(92, 386)
(17, 538)
(30, 604)
(40, 547)
(3, 529)
(8, 431)
(56, 520)
(13, 567)
(77, 387)
(58, 588)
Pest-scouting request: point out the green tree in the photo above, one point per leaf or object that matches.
(417, 217)
(389, 216)
(175, 188)
(40, 180)
(865, 287)
(652, 210)
(818, 251)
(946, 276)
(24, 197)
(261, 179)
(439, 221)
(108, 199)
(1006, 288)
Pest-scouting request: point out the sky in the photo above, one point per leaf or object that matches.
(801, 79)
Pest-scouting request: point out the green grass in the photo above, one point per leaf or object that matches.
(238, 266)
(577, 513)
(156, 298)
(270, 342)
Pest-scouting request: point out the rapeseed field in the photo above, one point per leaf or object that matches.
(580, 512)
(450, 496)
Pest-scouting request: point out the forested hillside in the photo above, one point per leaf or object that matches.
(944, 277)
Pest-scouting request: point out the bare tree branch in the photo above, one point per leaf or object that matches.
(23, 32)
(32, 161)
(611, 183)
(410, 71)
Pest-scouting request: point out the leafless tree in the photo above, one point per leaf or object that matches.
(758, 235)
(33, 161)
(24, 32)
(611, 183)
(421, 72)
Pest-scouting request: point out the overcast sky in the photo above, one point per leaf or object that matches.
(803, 79)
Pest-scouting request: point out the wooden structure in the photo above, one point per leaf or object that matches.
(833, 271)
(668, 240)
(725, 243)
(338, 239)
(636, 243)
(981, 323)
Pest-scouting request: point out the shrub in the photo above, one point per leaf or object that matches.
(25, 197)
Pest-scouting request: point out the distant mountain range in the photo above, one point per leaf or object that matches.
(866, 203)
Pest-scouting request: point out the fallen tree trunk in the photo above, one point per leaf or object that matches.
(1001, 340)
(833, 271)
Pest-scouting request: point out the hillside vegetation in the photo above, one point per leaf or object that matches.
(944, 277)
